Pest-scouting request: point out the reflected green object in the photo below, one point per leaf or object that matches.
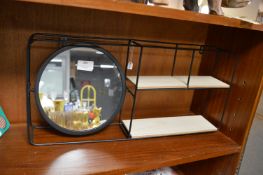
(4, 123)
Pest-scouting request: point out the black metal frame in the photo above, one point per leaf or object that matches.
(66, 40)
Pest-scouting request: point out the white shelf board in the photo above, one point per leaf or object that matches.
(203, 82)
(156, 82)
(167, 126)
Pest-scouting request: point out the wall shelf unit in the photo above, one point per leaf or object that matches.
(236, 75)
(141, 127)
(165, 126)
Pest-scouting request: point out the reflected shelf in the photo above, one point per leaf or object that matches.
(177, 82)
(168, 126)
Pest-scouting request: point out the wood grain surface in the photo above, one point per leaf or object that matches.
(246, 59)
(132, 8)
(18, 157)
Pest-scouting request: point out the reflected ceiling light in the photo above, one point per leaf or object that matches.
(104, 66)
(99, 52)
(56, 60)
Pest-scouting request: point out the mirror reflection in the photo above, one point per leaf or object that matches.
(80, 89)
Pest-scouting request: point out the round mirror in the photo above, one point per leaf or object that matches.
(80, 89)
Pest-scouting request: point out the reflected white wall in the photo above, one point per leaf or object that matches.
(248, 12)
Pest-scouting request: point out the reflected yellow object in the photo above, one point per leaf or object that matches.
(96, 120)
(77, 120)
(58, 117)
(88, 99)
(96, 111)
(61, 119)
(68, 118)
(59, 105)
(41, 95)
(84, 120)
(80, 119)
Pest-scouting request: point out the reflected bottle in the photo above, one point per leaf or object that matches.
(74, 93)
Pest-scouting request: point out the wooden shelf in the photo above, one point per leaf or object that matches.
(166, 126)
(123, 6)
(116, 18)
(18, 157)
(177, 82)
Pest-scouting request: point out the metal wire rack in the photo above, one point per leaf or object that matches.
(66, 40)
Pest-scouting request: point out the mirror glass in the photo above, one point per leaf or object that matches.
(80, 89)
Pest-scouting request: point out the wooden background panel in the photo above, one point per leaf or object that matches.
(244, 98)
(160, 62)
(221, 65)
(246, 47)
(159, 103)
(19, 20)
